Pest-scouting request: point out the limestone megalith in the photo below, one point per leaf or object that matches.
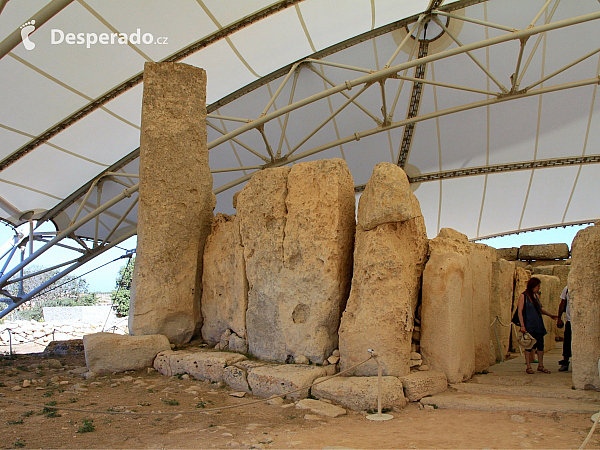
(584, 293)
(503, 278)
(390, 252)
(447, 341)
(297, 230)
(176, 203)
(225, 288)
(482, 257)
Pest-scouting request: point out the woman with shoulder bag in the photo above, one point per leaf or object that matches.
(529, 302)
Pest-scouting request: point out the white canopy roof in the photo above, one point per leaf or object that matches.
(492, 111)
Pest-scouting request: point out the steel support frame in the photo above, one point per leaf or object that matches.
(392, 71)
(88, 254)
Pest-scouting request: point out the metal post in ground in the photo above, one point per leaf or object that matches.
(378, 416)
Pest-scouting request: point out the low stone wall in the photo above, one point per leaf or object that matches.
(29, 336)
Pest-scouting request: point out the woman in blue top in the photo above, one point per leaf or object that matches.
(530, 315)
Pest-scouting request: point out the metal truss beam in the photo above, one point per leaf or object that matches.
(497, 168)
(136, 79)
(41, 17)
(357, 136)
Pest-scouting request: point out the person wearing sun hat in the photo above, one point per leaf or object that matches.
(530, 315)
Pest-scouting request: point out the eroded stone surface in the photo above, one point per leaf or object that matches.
(390, 252)
(482, 257)
(447, 341)
(421, 384)
(509, 254)
(297, 228)
(225, 289)
(522, 276)
(236, 376)
(360, 393)
(321, 408)
(503, 277)
(544, 251)
(176, 203)
(271, 380)
(202, 365)
(584, 292)
(109, 352)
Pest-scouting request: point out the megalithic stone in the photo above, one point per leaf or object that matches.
(584, 294)
(503, 279)
(297, 228)
(175, 203)
(447, 341)
(389, 256)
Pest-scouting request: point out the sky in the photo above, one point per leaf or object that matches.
(103, 279)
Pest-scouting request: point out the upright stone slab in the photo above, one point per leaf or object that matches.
(503, 277)
(584, 293)
(225, 289)
(390, 252)
(175, 203)
(549, 298)
(482, 257)
(522, 276)
(447, 341)
(297, 228)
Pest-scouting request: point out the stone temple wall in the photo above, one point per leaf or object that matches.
(293, 278)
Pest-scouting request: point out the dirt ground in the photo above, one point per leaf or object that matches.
(182, 417)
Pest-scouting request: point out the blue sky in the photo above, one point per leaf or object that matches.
(104, 278)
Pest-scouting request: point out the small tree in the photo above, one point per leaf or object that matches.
(67, 291)
(121, 295)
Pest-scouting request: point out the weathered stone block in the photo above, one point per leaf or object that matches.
(503, 277)
(522, 276)
(225, 289)
(360, 393)
(544, 251)
(389, 257)
(275, 380)
(482, 257)
(236, 376)
(175, 203)
(109, 352)
(421, 384)
(584, 293)
(447, 341)
(297, 228)
(202, 365)
(321, 408)
(509, 254)
(543, 270)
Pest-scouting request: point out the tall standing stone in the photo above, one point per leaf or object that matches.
(447, 341)
(522, 276)
(297, 228)
(225, 289)
(584, 293)
(482, 257)
(175, 203)
(390, 252)
(503, 277)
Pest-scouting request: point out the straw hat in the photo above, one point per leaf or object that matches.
(526, 341)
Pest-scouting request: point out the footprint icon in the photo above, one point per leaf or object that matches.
(26, 29)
